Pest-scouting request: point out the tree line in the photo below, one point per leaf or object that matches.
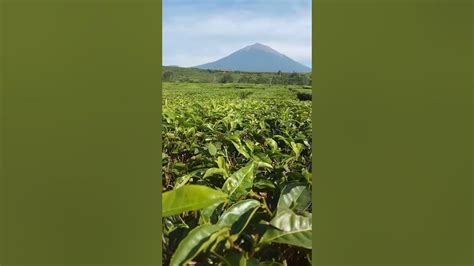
(216, 76)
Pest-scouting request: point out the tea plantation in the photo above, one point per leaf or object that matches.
(236, 174)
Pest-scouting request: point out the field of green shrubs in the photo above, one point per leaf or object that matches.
(236, 174)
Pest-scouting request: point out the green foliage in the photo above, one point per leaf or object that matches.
(302, 96)
(295, 197)
(197, 240)
(167, 75)
(238, 215)
(244, 94)
(240, 183)
(292, 224)
(290, 228)
(189, 198)
(236, 175)
(194, 75)
(226, 78)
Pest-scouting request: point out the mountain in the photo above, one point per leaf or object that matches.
(256, 58)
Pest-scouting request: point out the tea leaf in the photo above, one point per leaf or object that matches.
(213, 171)
(196, 241)
(238, 215)
(189, 198)
(240, 182)
(212, 149)
(295, 197)
(291, 229)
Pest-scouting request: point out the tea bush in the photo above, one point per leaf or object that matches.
(236, 177)
(302, 96)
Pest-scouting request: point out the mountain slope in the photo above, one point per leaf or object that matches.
(256, 58)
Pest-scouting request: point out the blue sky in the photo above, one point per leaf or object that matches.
(200, 31)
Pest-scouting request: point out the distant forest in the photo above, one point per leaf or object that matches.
(194, 75)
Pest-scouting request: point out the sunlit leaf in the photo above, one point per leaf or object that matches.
(290, 228)
(213, 171)
(212, 149)
(295, 196)
(189, 198)
(240, 182)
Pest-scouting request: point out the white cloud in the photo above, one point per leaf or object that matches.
(192, 38)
